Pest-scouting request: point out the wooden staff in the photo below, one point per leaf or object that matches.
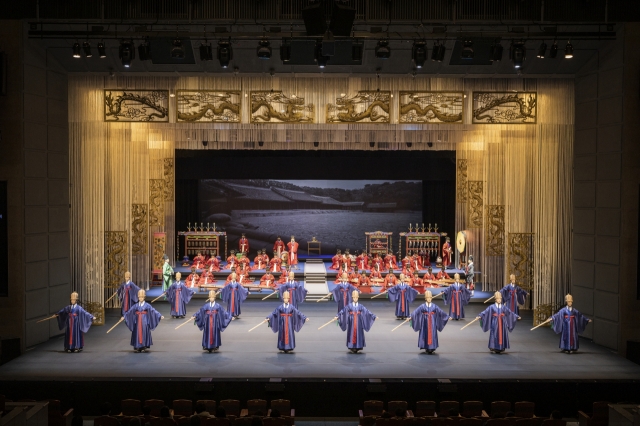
(439, 294)
(185, 323)
(323, 326)
(403, 323)
(121, 319)
(48, 318)
(158, 297)
(379, 294)
(492, 297)
(268, 296)
(469, 324)
(324, 297)
(257, 326)
(114, 295)
(540, 325)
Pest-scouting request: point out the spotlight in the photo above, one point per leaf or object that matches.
(467, 50)
(206, 53)
(76, 50)
(437, 54)
(260, 143)
(127, 53)
(320, 59)
(102, 52)
(285, 52)
(177, 51)
(316, 144)
(87, 49)
(419, 53)
(568, 51)
(553, 52)
(518, 54)
(383, 51)
(495, 53)
(264, 49)
(372, 144)
(144, 51)
(225, 53)
(542, 50)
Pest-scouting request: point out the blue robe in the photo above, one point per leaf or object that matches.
(212, 320)
(457, 296)
(296, 290)
(141, 320)
(234, 294)
(403, 295)
(128, 295)
(501, 321)
(355, 330)
(178, 295)
(286, 321)
(342, 294)
(512, 297)
(428, 320)
(77, 322)
(569, 323)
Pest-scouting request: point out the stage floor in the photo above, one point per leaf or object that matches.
(319, 353)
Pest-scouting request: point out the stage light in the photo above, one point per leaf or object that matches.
(76, 50)
(553, 52)
(87, 49)
(285, 52)
(102, 52)
(206, 53)
(225, 53)
(321, 59)
(542, 50)
(264, 49)
(495, 53)
(518, 54)
(205, 143)
(144, 51)
(437, 54)
(126, 53)
(467, 50)
(177, 51)
(419, 53)
(568, 51)
(383, 51)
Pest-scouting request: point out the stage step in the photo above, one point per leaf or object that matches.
(315, 279)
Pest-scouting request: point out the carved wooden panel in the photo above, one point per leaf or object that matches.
(275, 107)
(475, 204)
(115, 258)
(139, 228)
(168, 179)
(505, 107)
(95, 309)
(156, 202)
(212, 106)
(431, 107)
(136, 105)
(461, 180)
(520, 259)
(494, 228)
(159, 247)
(367, 106)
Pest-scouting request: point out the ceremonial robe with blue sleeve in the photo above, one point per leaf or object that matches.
(342, 294)
(512, 296)
(569, 323)
(500, 321)
(355, 319)
(128, 296)
(457, 296)
(178, 295)
(141, 319)
(403, 295)
(286, 321)
(212, 319)
(234, 294)
(296, 290)
(428, 320)
(77, 322)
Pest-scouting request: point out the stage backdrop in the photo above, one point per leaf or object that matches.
(513, 139)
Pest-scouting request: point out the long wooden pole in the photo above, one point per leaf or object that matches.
(469, 324)
(379, 294)
(185, 323)
(324, 325)
(112, 296)
(121, 319)
(324, 297)
(271, 294)
(257, 326)
(158, 297)
(541, 324)
(403, 323)
(47, 319)
(492, 297)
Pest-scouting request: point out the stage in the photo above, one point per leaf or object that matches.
(320, 354)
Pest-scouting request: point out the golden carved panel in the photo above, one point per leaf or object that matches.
(139, 228)
(520, 259)
(542, 312)
(494, 228)
(156, 202)
(474, 203)
(213, 106)
(505, 107)
(115, 258)
(159, 247)
(95, 309)
(168, 179)
(367, 106)
(275, 107)
(431, 107)
(461, 180)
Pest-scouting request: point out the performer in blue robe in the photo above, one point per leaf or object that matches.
(513, 295)
(76, 321)
(343, 291)
(296, 290)
(498, 319)
(428, 319)
(212, 319)
(127, 293)
(234, 294)
(457, 296)
(286, 320)
(569, 323)
(355, 319)
(403, 295)
(178, 295)
(141, 318)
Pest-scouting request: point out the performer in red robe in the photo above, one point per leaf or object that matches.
(268, 280)
(232, 261)
(336, 261)
(293, 252)
(206, 278)
(243, 244)
(446, 254)
(283, 276)
(362, 261)
(193, 279)
(274, 263)
(416, 262)
(442, 275)
(377, 264)
(198, 261)
(406, 261)
(429, 277)
(389, 262)
(245, 263)
(265, 257)
(213, 264)
(258, 262)
(391, 279)
(416, 280)
(278, 247)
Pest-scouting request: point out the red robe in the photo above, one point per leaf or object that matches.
(265, 259)
(293, 252)
(283, 277)
(416, 263)
(406, 262)
(192, 280)
(431, 277)
(278, 247)
(268, 277)
(390, 280)
(362, 262)
(377, 264)
(246, 262)
(258, 262)
(335, 262)
(389, 263)
(442, 275)
(206, 278)
(232, 262)
(243, 245)
(213, 262)
(446, 254)
(274, 264)
(198, 262)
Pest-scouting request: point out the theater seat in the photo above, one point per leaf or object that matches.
(231, 406)
(256, 405)
(500, 407)
(470, 422)
(372, 408)
(554, 422)
(131, 407)
(598, 417)
(105, 421)
(182, 407)
(473, 409)
(368, 420)
(209, 403)
(283, 406)
(425, 409)
(524, 409)
(155, 405)
(392, 406)
(447, 406)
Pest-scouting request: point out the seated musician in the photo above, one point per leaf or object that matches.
(193, 278)
(390, 279)
(245, 262)
(284, 276)
(428, 276)
(198, 261)
(268, 280)
(258, 262)
(389, 261)
(375, 274)
(363, 280)
(213, 264)
(416, 262)
(406, 261)
(442, 275)
(265, 258)
(377, 263)
(346, 261)
(416, 280)
(335, 261)
(232, 260)
(362, 261)
(353, 276)
(206, 278)
(424, 257)
(274, 263)
(407, 279)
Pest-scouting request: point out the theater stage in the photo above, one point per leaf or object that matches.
(177, 354)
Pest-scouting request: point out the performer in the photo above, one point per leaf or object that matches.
(513, 295)
(274, 263)
(406, 261)
(265, 258)
(278, 247)
(258, 262)
(234, 294)
(212, 319)
(469, 273)
(569, 323)
(501, 321)
(363, 281)
(362, 261)
(141, 319)
(243, 244)
(429, 277)
(193, 279)
(446, 253)
(213, 264)
(403, 295)
(355, 319)
(283, 276)
(284, 259)
(127, 293)
(296, 290)
(286, 320)
(167, 274)
(267, 280)
(424, 257)
(178, 295)
(428, 319)
(457, 296)
(390, 279)
(293, 252)
(416, 262)
(377, 263)
(232, 261)
(343, 291)
(336, 261)
(206, 278)
(417, 283)
(442, 275)
(76, 321)
(198, 261)
(390, 261)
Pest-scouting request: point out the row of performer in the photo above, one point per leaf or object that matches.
(352, 317)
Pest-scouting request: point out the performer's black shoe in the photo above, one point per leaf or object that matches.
(68, 351)
(209, 350)
(430, 351)
(216, 348)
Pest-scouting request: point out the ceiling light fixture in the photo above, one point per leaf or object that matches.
(419, 53)
(87, 49)
(285, 52)
(382, 50)
(568, 50)
(467, 50)
(102, 52)
(225, 53)
(76, 50)
(144, 51)
(206, 52)
(320, 59)
(495, 53)
(177, 51)
(553, 52)
(542, 50)
(518, 54)
(126, 53)
(264, 49)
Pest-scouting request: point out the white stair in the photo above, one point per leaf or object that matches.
(315, 279)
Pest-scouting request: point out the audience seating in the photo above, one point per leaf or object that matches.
(446, 406)
(182, 407)
(243, 421)
(274, 421)
(473, 409)
(105, 421)
(131, 407)
(440, 421)
(416, 421)
(162, 421)
(392, 406)
(284, 406)
(500, 407)
(532, 421)
(184, 421)
(554, 422)
(372, 408)
(512, 420)
(470, 422)
(497, 422)
(209, 403)
(256, 405)
(213, 421)
(56, 418)
(598, 417)
(397, 421)
(367, 420)
(524, 409)
(231, 406)
(155, 405)
(425, 409)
